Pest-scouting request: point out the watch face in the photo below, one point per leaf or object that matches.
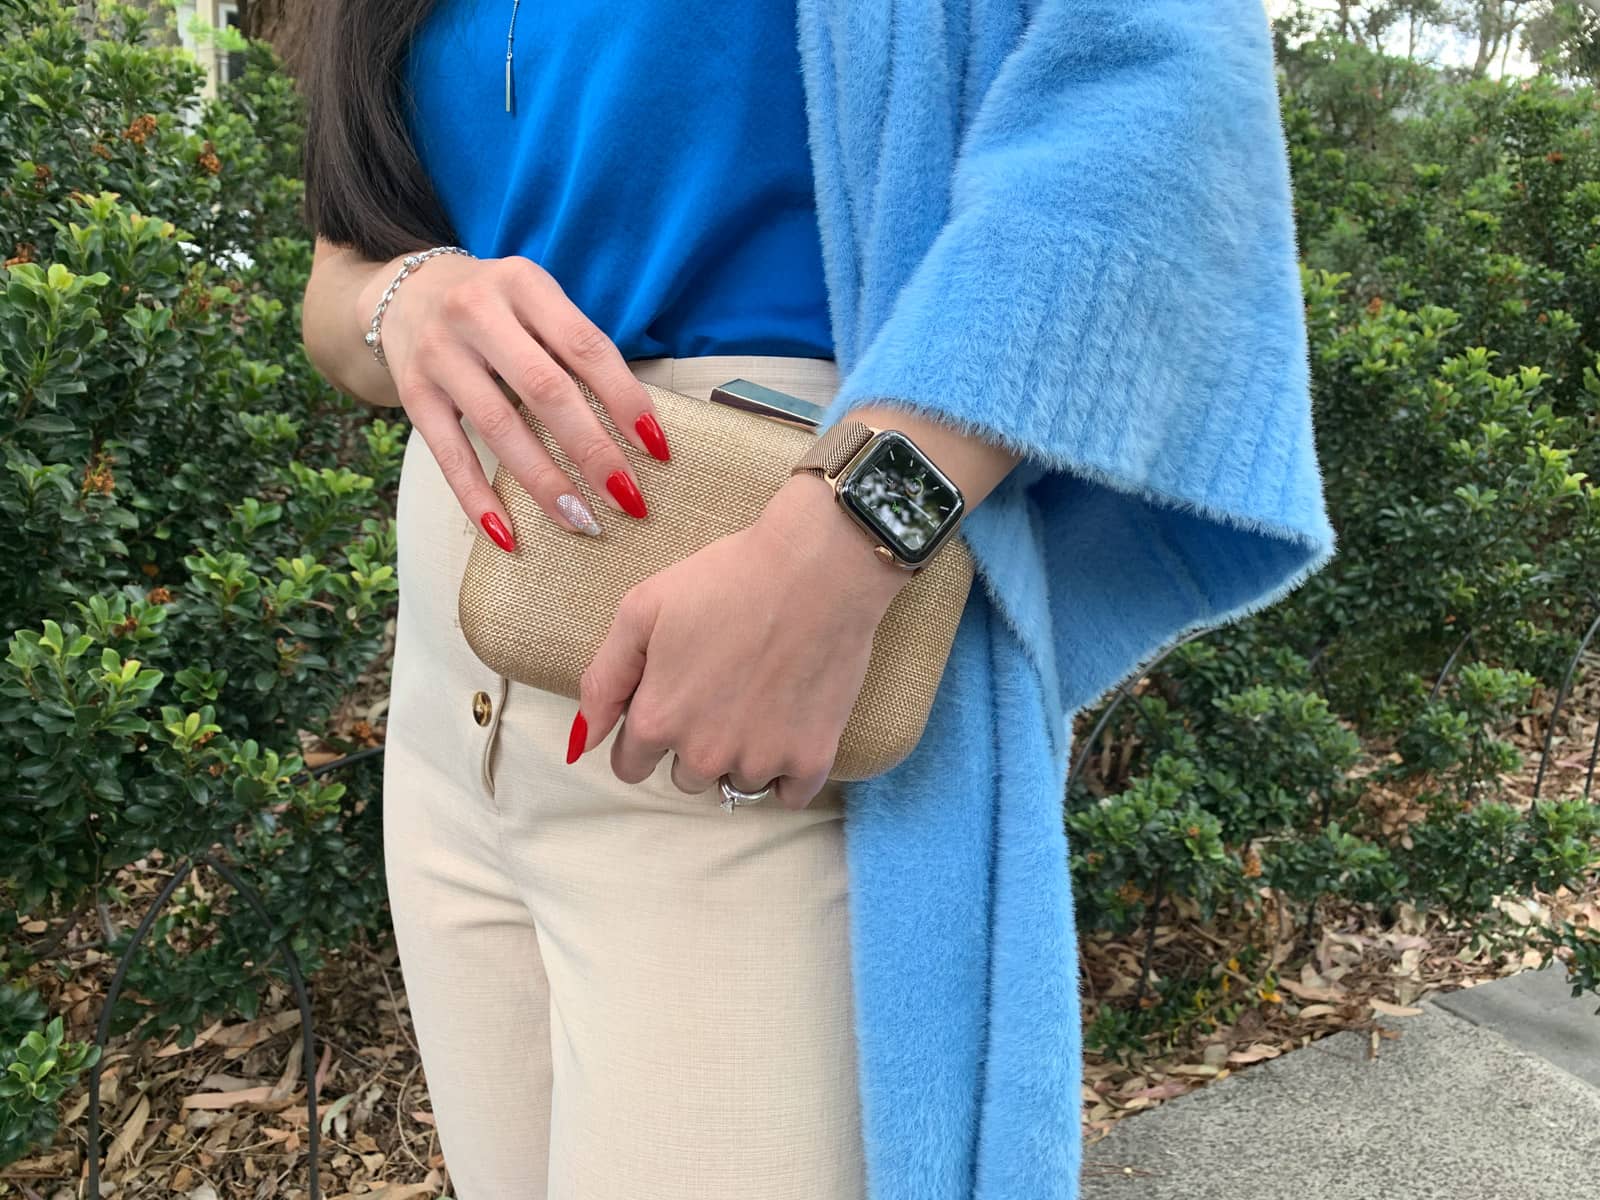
(903, 497)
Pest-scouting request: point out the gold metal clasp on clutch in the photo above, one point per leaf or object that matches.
(768, 402)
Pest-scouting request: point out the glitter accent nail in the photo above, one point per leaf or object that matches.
(577, 514)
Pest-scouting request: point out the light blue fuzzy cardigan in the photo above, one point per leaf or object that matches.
(1065, 226)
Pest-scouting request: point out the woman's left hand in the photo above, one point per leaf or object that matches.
(745, 658)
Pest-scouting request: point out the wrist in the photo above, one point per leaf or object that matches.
(372, 289)
(816, 529)
(396, 278)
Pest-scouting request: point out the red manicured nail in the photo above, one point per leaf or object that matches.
(621, 485)
(497, 531)
(578, 736)
(650, 434)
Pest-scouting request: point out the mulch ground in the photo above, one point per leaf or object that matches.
(225, 1117)
(1358, 969)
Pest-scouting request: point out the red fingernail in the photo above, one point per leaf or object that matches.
(497, 531)
(622, 486)
(654, 440)
(578, 736)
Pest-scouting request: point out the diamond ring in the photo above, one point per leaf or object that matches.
(732, 797)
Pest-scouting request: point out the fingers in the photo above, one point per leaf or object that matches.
(516, 446)
(539, 304)
(509, 320)
(436, 421)
(795, 791)
(552, 395)
(639, 745)
(695, 771)
(613, 687)
(692, 779)
(613, 673)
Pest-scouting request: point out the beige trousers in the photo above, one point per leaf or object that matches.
(620, 991)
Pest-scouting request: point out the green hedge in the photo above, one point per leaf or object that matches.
(1449, 231)
(199, 552)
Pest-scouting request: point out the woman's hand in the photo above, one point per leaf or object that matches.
(455, 325)
(746, 657)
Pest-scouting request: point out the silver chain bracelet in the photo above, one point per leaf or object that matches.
(408, 264)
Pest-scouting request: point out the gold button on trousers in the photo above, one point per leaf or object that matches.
(482, 707)
(620, 991)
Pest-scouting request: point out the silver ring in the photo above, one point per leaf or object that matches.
(732, 797)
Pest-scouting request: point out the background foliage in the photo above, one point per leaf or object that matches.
(1449, 233)
(198, 546)
(201, 550)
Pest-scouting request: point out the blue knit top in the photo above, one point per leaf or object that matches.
(654, 162)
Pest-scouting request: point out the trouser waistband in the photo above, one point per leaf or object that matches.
(813, 379)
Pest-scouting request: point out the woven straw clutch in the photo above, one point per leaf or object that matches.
(538, 615)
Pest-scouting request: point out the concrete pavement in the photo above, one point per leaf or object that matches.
(1492, 1094)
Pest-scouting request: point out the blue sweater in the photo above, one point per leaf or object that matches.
(1066, 226)
(655, 163)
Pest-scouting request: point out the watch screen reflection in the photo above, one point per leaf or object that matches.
(895, 491)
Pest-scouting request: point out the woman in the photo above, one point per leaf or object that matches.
(1049, 241)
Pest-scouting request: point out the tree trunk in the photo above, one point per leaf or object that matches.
(286, 24)
(1346, 25)
(1488, 35)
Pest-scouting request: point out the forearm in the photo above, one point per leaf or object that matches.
(977, 466)
(804, 509)
(337, 307)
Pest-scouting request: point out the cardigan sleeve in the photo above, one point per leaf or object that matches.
(1115, 295)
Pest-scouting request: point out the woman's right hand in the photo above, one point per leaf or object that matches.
(453, 326)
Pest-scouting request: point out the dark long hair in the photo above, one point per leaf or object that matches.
(365, 185)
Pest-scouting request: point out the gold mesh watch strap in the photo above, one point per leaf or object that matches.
(829, 453)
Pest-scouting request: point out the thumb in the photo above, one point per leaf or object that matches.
(608, 682)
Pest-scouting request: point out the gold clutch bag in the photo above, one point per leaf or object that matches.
(538, 615)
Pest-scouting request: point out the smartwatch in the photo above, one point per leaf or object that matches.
(890, 488)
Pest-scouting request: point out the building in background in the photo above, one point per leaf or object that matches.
(220, 65)
(180, 29)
